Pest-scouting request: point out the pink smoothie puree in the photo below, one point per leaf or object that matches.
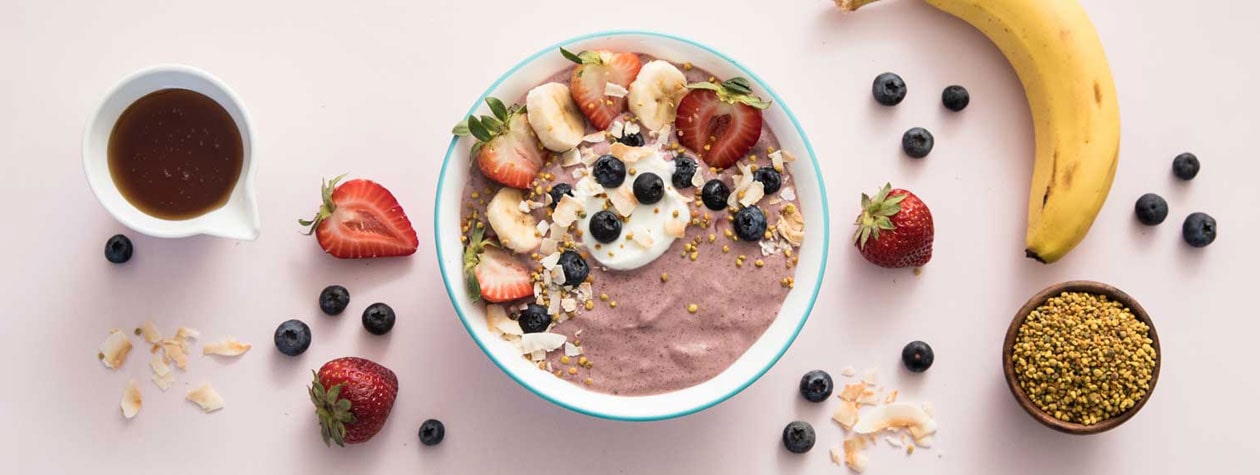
(646, 324)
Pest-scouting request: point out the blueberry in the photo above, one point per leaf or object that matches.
(609, 171)
(955, 98)
(293, 337)
(1199, 229)
(889, 89)
(798, 437)
(750, 224)
(917, 142)
(1186, 166)
(917, 356)
(816, 386)
(633, 140)
(432, 432)
(334, 299)
(118, 249)
(684, 171)
(770, 179)
(605, 227)
(558, 191)
(715, 194)
(378, 318)
(575, 268)
(534, 319)
(1151, 209)
(649, 188)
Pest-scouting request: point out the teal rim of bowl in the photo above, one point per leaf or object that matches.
(826, 225)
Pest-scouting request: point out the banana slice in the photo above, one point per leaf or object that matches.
(517, 231)
(555, 117)
(655, 94)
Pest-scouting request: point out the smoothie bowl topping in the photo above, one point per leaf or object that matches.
(633, 227)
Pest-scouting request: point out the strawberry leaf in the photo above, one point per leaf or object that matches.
(492, 124)
(479, 130)
(497, 108)
(570, 56)
(461, 128)
(738, 85)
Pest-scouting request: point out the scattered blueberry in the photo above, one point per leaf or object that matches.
(334, 299)
(955, 98)
(715, 194)
(605, 227)
(917, 142)
(1199, 229)
(609, 171)
(118, 249)
(558, 191)
(633, 140)
(750, 224)
(798, 437)
(1151, 209)
(378, 318)
(293, 337)
(534, 319)
(432, 432)
(889, 89)
(917, 356)
(684, 171)
(649, 188)
(1186, 166)
(816, 386)
(770, 179)
(575, 268)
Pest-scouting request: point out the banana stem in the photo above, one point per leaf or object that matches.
(851, 5)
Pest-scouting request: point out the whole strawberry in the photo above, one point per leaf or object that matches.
(353, 397)
(895, 229)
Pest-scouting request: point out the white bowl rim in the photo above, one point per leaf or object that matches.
(822, 191)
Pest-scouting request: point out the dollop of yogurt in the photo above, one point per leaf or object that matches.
(649, 229)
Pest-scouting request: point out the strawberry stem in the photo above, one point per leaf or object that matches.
(877, 213)
(333, 412)
(326, 208)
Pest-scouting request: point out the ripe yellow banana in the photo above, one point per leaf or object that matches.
(1056, 52)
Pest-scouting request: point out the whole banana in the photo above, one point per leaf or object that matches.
(1055, 50)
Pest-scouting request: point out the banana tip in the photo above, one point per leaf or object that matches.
(1029, 253)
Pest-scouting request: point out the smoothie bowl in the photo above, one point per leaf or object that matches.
(631, 225)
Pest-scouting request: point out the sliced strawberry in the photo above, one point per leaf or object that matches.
(501, 277)
(594, 71)
(507, 151)
(720, 122)
(360, 218)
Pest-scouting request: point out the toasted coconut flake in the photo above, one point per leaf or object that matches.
(846, 415)
(572, 350)
(206, 397)
(852, 392)
(617, 129)
(769, 248)
(753, 194)
(891, 397)
(228, 347)
(150, 332)
(837, 456)
(553, 304)
(871, 377)
(542, 227)
(663, 134)
(848, 371)
(537, 356)
(623, 200)
(163, 382)
(568, 304)
(114, 349)
(776, 159)
(571, 157)
(550, 261)
(697, 180)
(791, 226)
(643, 237)
(160, 368)
(868, 397)
(548, 246)
(557, 275)
(630, 154)
(925, 441)
(854, 453)
(588, 157)
(594, 137)
(897, 416)
(631, 128)
(523, 207)
(566, 211)
(587, 186)
(675, 228)
(131, 400)
(185, 333)
(894, 442)
(788, 193)
(584, 292)
(498, 322)
(173, 350)
(543, 341)
(613, 89)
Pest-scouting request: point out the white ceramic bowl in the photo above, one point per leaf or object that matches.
(236, 219)
(763, 353)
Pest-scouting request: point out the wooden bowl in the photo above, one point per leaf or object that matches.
(1008, 366)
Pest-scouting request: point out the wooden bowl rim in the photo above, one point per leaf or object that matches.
(1008, 366)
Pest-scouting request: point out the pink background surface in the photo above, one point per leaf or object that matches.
(372, 90)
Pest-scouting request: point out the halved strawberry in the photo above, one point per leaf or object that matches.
(493, 274)
(594, 71)
(507, 151)
(720, 122)
(360, 218)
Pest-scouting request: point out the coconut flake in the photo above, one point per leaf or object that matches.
(588, 187)
(206, 397)
(617, 129)
(925, 441)
(613, 89)
(159, 367)
(768, 248)
(588, 157)
(897, 416)
(163, 382)
(584, 292)
(894, 442)
(753, 194)
(643, 237)
(550, 261)
(557, 275)
(114, 349)
(631, 128)
(852, 392)
(868, 397)
(594, 137)
(572, 350)
(675, 228)
(185, 333)
(854, 456)
(630, 154)
(570, 158)
(776, 159)
(537, 356)
(791, 225)
(837, 456)
(788, 193)
(498, 322)
(846, 415)
(891, 397)
(150, 332)
(542, 341)
(174, 350)
(568, 304)
(228, 347)
(131, 400)
(870, 376)
(548, 246)
(623, 200)
(553, 304)
(697, 180)
(848, 371)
